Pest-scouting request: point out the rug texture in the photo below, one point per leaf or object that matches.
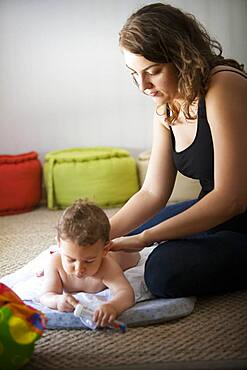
(214, 336)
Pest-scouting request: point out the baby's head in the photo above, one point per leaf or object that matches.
(83, 236)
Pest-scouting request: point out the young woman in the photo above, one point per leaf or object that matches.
(200, 129)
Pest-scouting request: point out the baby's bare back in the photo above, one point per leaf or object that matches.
(125, 260)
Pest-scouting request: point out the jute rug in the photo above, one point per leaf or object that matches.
(214, 336)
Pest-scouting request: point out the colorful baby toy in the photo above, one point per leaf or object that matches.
(20, 327)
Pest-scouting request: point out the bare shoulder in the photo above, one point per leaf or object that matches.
(110, 263)
(227, 94)
(109, 267)
(227, 71)
(53, 281)
(161, 136)
(223, 77)
(159, 119)
(54, 262)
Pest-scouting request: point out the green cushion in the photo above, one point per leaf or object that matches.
(104, 175)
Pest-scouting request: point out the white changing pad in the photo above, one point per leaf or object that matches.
(147, 309)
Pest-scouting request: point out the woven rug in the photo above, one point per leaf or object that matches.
(214, 336)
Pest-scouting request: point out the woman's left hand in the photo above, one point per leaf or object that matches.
(132, 243)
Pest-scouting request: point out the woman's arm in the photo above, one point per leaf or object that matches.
(157, 187)
(227, 115)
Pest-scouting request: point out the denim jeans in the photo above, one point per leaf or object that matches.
(211, 262)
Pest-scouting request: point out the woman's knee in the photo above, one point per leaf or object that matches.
(164, 275)
(179, 268)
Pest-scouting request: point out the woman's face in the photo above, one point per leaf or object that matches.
(158, 80)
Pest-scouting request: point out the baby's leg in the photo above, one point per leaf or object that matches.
(126, 260)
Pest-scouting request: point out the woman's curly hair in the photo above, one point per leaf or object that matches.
(164, 34)
(84, 223)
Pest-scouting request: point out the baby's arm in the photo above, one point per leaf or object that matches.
(53, 296)
(122, 293)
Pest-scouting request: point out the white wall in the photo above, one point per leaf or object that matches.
(63, 81)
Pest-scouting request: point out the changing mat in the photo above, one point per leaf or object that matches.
(147, 310)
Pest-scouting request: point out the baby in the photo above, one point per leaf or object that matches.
(85, 264)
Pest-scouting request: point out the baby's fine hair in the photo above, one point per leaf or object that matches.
(84, 223)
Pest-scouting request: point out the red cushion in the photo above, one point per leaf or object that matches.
(20, 182)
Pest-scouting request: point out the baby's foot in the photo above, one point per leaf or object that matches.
(39, 273)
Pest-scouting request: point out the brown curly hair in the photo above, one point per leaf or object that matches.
(164, 34)
(84, 223)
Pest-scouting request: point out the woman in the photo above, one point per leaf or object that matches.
(200, 129)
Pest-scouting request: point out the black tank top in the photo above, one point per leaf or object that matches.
(197, 161)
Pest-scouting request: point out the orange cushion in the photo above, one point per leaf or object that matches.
(20, 182)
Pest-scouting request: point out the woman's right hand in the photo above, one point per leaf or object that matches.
(133, 243)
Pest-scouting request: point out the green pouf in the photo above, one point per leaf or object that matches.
(104, 175)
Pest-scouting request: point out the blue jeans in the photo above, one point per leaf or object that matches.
(211, 262)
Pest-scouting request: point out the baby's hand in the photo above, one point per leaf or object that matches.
(105, 314)
(66, 302)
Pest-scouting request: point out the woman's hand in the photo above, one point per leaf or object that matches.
(132, 243)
